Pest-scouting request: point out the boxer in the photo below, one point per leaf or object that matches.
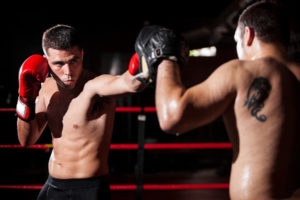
(257, 95)
(78, 108)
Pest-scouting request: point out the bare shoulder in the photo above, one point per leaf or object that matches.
(231, 65)
(227, 73)
(47, 89)
(230, 68)
(221, 83)
(49, 86)
(260, 67)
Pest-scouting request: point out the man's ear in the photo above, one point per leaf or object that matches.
(45, 53)
(249, 35)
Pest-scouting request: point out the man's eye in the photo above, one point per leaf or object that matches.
(73, 61)
(58, 63)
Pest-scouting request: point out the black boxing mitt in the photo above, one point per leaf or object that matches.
(154, 44)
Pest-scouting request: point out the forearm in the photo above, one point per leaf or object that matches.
(169, 95)
(28, 132)
(133, 85)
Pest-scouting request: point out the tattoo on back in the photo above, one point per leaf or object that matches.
(257, 93)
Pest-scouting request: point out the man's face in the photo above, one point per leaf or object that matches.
(239, 43)
(66, 66)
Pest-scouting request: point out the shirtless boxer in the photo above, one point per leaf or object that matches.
(258, 96)
(79, 110)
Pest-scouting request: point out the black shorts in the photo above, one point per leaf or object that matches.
(75, 189)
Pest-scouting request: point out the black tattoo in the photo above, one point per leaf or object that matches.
(257, 93)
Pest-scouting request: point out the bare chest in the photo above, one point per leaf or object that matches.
(74, 115)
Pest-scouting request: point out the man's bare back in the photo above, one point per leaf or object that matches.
(263, 125)
(259, 103)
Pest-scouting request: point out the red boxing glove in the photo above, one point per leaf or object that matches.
(33, 71)
(138, 70)
(133, 67)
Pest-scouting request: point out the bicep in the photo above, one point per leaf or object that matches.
(112, 86)
(103, 85)
(208, 100)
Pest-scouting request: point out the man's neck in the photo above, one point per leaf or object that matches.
(262, 50)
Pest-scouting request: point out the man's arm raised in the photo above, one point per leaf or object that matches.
(113, 86)
(180, 110)
(31, 121)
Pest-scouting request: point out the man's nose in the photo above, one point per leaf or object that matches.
(67, 69)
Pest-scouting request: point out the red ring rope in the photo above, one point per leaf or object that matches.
(189, 146)
(118, 109)
(135, 146)
(7, 109)
(186, 186)
(134, 187)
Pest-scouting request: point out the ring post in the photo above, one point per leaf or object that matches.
(140, 155)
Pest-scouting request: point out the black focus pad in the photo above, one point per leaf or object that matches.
(155, 43)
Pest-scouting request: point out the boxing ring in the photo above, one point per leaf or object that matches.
(140, 147)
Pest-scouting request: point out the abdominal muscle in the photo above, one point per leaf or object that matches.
(80, 157)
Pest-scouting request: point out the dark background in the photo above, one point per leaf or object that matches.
(109, 30)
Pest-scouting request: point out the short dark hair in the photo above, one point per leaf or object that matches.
(60, 37)
(268, 20)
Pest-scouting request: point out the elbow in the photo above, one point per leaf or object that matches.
(25, 140)
(167, 126)
(170, 122)
(25, 143)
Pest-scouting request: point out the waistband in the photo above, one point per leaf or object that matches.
(78, 183)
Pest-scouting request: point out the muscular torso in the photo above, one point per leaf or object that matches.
(263, 125)
(81, 129)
